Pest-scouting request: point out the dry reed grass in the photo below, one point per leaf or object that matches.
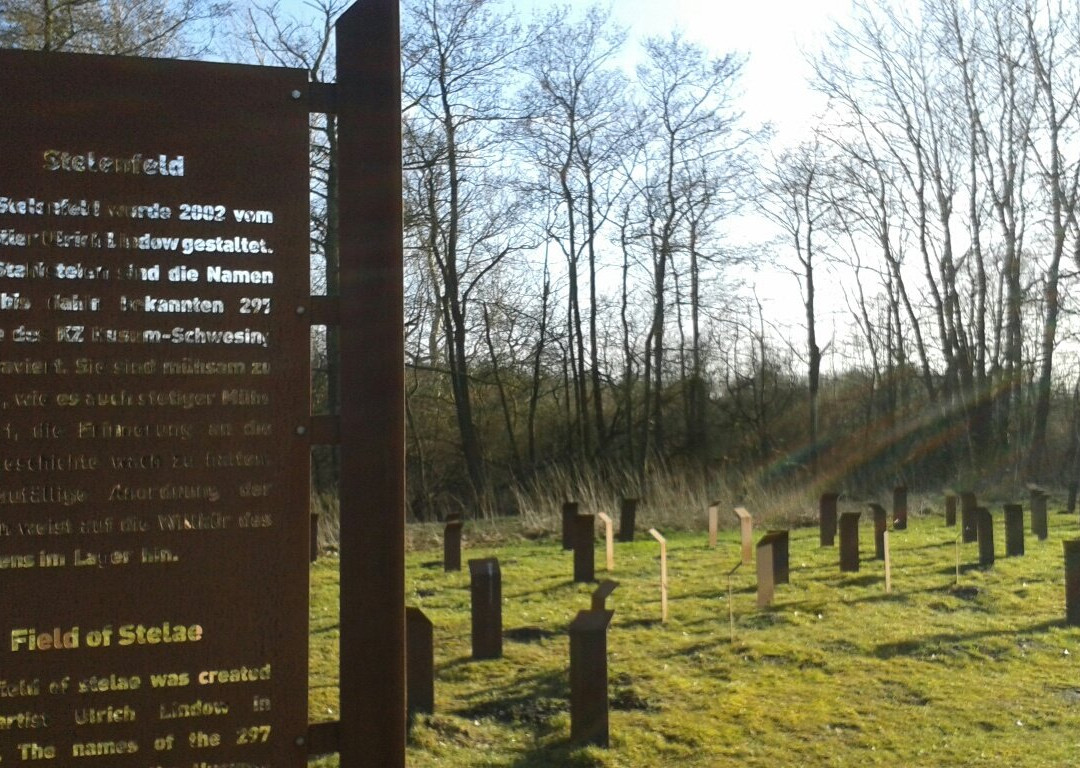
(671, 499)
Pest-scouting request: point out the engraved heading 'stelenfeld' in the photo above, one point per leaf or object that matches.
(91, 162)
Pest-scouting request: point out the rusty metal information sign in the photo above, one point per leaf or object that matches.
(154, 387)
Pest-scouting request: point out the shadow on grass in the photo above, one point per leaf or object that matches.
(530, 634)
(563, 755)
(867, 580)
(899, 547)
(896, 596)
(561, 585)
(964, 568)
(554, 750)
(832, 566)
(710, 594)
(538, 704)
(934, 643)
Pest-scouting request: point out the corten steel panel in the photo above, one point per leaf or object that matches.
(569, 514)
(781, 556)
(584, 552)
(601, 594)
(1014, 530)
(485, 588)
(985, 523)
(968, 530)
(827, 518)
(627, 519)
(1071, 549)
(881, 524)
(420, 668)
(950, 509)
(151, 473)
(900, 507)
(1038, 514)
(452, 545)
(849, 542)
(589, 677)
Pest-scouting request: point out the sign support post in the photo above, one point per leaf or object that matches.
(372, 494)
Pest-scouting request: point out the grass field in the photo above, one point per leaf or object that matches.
(834, 673)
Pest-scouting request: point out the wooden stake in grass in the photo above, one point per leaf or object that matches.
(714, 513)
(609, 539)
(746, 525)
(956, 546)
(663, 573)
(730, 602)
(888, 566)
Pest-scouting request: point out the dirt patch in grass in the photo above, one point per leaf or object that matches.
(965, 593)
(625, 697)
(525, 711)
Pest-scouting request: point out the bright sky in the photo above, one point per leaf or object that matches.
(773, 32)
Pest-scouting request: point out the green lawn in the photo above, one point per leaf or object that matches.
(834, 673)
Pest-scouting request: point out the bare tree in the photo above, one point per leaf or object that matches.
(576, 133)
(131, 28)
(794, 200)
(1053, 45)
(690, 139)
(465, 219)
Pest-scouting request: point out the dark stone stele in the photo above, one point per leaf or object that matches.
(627, 519)
(584, 539)
(900, 508)
(881, 524)
(827, 518)
(589, 678)
(950, 509)
(452, 543)
(968, 531)
(486, 591)
(1014, 530)
(1072, 581)
(420, 661)
(985, 522)
(849, 542)
(569, 514)
(1038, 513)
